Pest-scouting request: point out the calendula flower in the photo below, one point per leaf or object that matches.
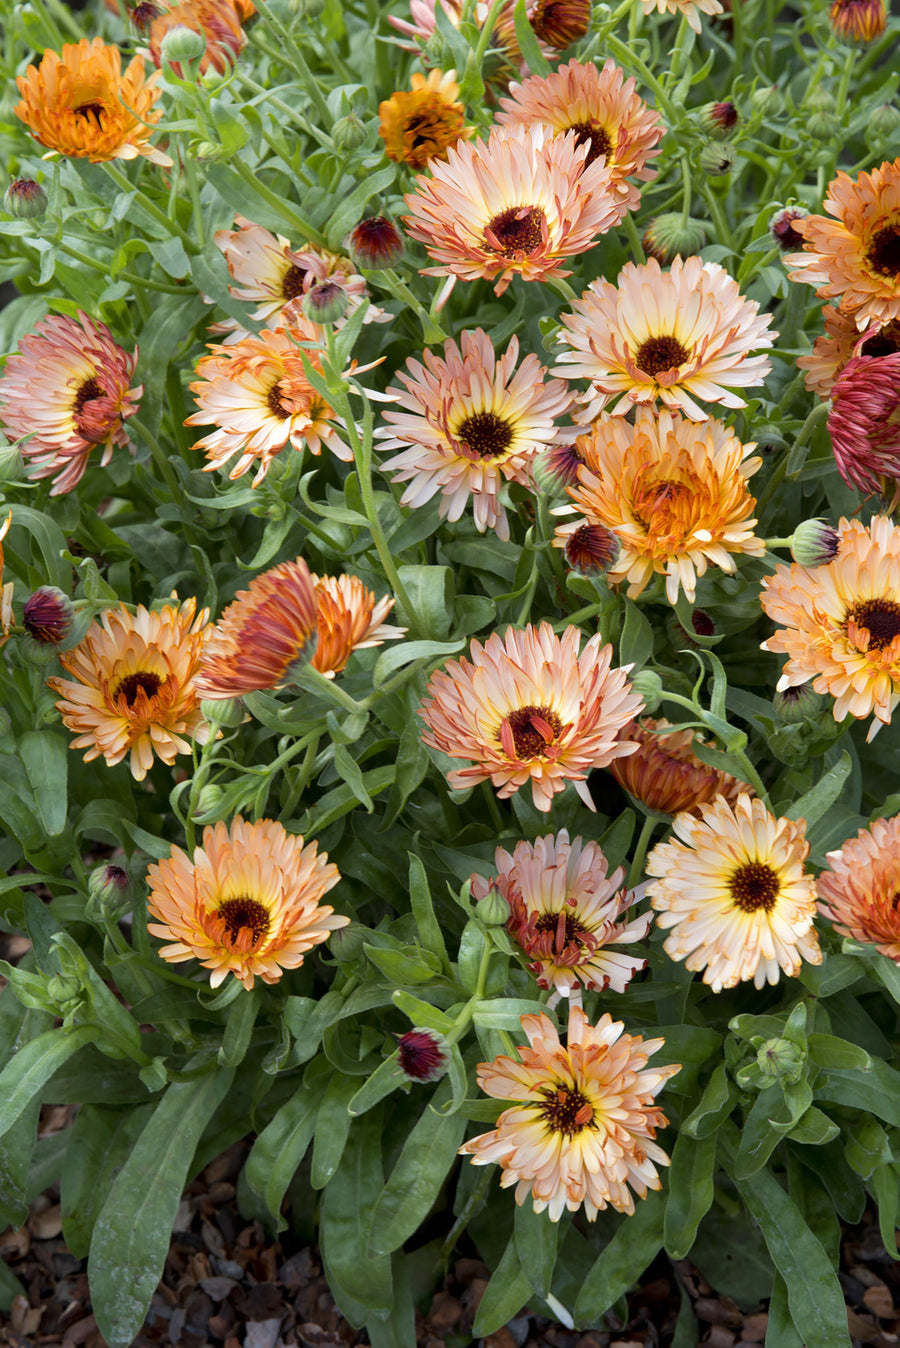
(64, 391)
(840, 341)
(858, 891)
(216, 20)
(81, 104)
(6, 588)
(263, 636)
(528, 707)
(566, 912)
(547, 17)
(348, 619)
(666, 337)
(841, 622)
(581, 1128)
(674, 492)
(258, 397)
(602, 109)
(858, 20)
(864, 424)
(666, 775)
(516, 204)
(687, 9)
(421, 124)
(856, 256)
(249, 902)
(559, 23)
(133, 690)
(733, 892)
(471, 422)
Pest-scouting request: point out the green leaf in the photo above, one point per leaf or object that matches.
(403, 968)
(346, 1222)
(350, 772)
(100, 1142)
(332, 1128)
(768, 1121)
(867, 1146)
(386, 1078)
(168, 326)
(51, 543)
(431, 593)
(505, 1295)
(691, 1191)
(427, 925)
(505, 1013)
(411, 765)
(822, 796)
(45, 756)
(828, 1051)
(528, 44)
(395, 657)
(815, 1129)
(716, 1103)
(780, 1331)
(423, 1164)
(422, 1013)
(131, 1236)
(636, 644)
(472, 945)
(877, 1090)
(10, 1287)
(16, 1149)
(634, 1246)
(239, 1028)
(34, 1065)
(536, 1241)
(885, 1188)
(278, 1150)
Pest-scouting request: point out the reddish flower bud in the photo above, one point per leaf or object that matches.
(559, 23)
(25, 199)
(783, 228)
(375, 243)
(423, 1054)
(48, 615)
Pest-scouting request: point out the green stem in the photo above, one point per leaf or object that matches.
(723, 231)
(171, 226)
(292, 55)
(636, 868)
(389, 280)
(284, 208)
(634, 238)
(493, 807)
(314, 682)
(131, 277)
(630, 60)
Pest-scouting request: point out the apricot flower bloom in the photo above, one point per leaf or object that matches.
(420, 125)
(688, 9)
(348, 619)
(858, 891)
(666, 775)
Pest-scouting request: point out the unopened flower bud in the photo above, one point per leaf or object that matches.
(823, 126)
(65, 994)
(142, 15)
(768, 101)
(209, 802)
(25, 199)
(717, 158)
(813, 543)
(493, 909)
(375, 243)
(793, 705)
(588, 548)
(858, 20)
(347, 943)
(109, 891)
(423, 1054)
(556, 468)
(781, 1060)
(559, 23)
(207, 151)
(182, 44)
(348, 133)
(883, 126)
(648, 683)
(225, 711)
(325, 302)
(718, 119)
(670, 235)
(783, 228)
(48, 615)
(820, 99)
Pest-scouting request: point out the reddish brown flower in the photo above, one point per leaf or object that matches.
(864, 423)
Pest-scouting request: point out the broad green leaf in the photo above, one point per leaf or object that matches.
(472, 946)
(431, 592)
(826, 1050)
(396, 656)
(536, 1239)
(10, 1287)
(350, 772)
(45, 755)
(814, 1129)
(400, 967)
(422, 1013)
(846, 1188)
(239, 1028)
(867, 1146)
(815, 802)
(636, 642)
(634, 1246)
(100, 1142)
(780, 1331)
(505, 1013)
(884, 1185)
(411, 765)
(691, 1191)
(131, 1236)
(167, 327)
(505, 1295)
(278, 1150)
(49, 540)
(716, 1103)
(530, 47)
(332, 1128)
(386, 1078)
(427, 925)
(877, 1090)
(347, 1209)
(768, 1121)
(16, 1149)
(34, 1065)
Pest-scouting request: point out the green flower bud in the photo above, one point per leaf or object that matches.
(718, 119)
(717, 158)
(225, 711)
(493, 910)
(794, 705)
(109, 893)
(65, 994)
(669, 235)
(182, 44)
(820, 99)
(823, 126)
(781, 1060)
(346, 944)
(36, 653)
(883, 127)
(25, 199)
(814, 543)
(325, 302)
(648, 683)
(349, 133)
(768, 101)
(208, 152)
(209, 803)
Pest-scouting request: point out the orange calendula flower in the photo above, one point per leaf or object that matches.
(582, 1127)
(64, 391)
(218, 21)
(135, 686)
(81, 104)
(666, 775)
(733, 892)
(348, 619)
(247, 903)
(422, 124)
(674, 492)
(858, 20)
(841, 622)
(602, 109)
(471, 422)
(566, 912)
(516, 204)
(840, 341)
(688, 9)
(856, 256)
(668, 337)
(858, 892)
(258, 397)
(527, 707)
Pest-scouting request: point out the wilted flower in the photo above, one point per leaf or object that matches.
(248, 903)
(135, 686)
(422, 1054)
(66, 390)
(858, 20)
(527, 707)
(48, 615)
(734, 893)
(348, 619)
(864, 424)
(858, 891)
(583, 1124)
(688, 9)
(421, 125)
(666, 775)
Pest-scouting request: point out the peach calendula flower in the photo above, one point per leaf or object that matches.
(674, 492)
(516, 204)
(249, 902)
(471, 422)
(256, 393)
(602, 109)
(687, 9)
(528, 707)
(840, 623)
(666, 775)
(348, 619)
(64, 391)
(856, 256)
(733, 892)
(840, 341)
(81, 104)
(135, 686)
(858, 20)
(218, 21)
(666, 337)
(263, 636)
(566, 912)
(421, 124)
(582, 1121)
(858, 892)
(864, 424)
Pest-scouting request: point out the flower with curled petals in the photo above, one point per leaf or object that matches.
(471, 422)
(64, 391)
(668, 337)
(580, 1129)
(248, 902)
(420, 124)
(566, 912)
(840, 341)
(856, 256)
(82, 105)
(516, 204)
(732, 891)
(859, 890)
(864, 424)
(840, 623)
(602, 109)
(858, 20)
(674, 492)
(348, 619)
(687, 9)
(133, 690)
(527, 707)
(666, 775)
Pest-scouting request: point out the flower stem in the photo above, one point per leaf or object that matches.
(285, 209)
(636, 869)
(431, 331)
(171, 226)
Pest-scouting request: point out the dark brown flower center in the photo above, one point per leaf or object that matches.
(91, 110)
(885, 342)
(661, 353)
(518, 230)
(533, 730)
(563, 927)
(596, 138)
(246, 913)
(880, 618)
(566, 1111)
(274, 403)
(753, 886)
(883, 252)
(142, 682)
(292, 284)
(89, 390)
(486, 434)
